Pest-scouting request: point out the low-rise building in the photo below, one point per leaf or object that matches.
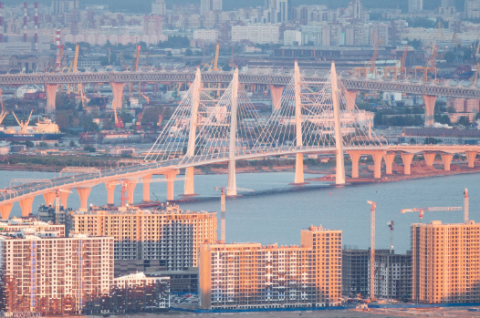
(249, 275)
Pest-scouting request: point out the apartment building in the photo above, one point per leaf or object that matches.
(355, 268)
(249, 275)
(445, 260)
(17, 225)
(137, 292)
(159, 7)
(210, 5)
(256, 33)
(54, 275)
(415, 6)
(149, 240)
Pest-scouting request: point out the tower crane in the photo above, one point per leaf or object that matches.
(399, 67)
(372, 249)
(421, 211)
(465, 206)
(430, 66)
(390, 225)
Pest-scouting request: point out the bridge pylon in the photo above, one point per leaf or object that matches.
(232, 148)
(340, 171)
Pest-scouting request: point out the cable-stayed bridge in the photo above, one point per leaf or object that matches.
(213, 124)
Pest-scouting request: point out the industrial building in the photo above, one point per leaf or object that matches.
(393, 274)
(54, 275)
(151, 240)
(136, 292)
(445, 259)
(249, 275)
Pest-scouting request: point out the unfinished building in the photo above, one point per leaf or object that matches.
(248, 275)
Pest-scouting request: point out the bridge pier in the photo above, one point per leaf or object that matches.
(83, 193)
(146, 187)
(170, 177)
(131, 184)
(189, 187)
(26, 206)
(111, 185)
(429, 158)
(377, 159)
(355, 158)
(49, 198)
(117, 90)
(429, 109)
(51, 90)
(389, 159)
(64, 197)
(407, 162)
(350, 97)
(471, 155)
(5, 210)
(447, 160)
(276, 93)
(299, 177)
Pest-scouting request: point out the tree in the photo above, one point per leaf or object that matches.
(464, 121)
(89, 148)
(169, 54)
(29, 144)
(72, 143)
(451, 110)
(188, 52)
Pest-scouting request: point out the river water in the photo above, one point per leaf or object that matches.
(276, 211)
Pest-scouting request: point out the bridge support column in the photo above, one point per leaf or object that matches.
(189, 187)
(389, 159)
(49, 198)
(131, 191)
(146, 188)
(170, 176)
(117, 90)
(471, 155)
(407, 162)
(276, 93)
(377, 159)
(232, 148)
(64, 197)
(429, 158)
(447, 160)
(350, 97)
(429, 109)
(299, 178)
(26, 206)
(5, 211)
(83, 193)
(355, 157)
(51, 90)
(340, 173)
(111, 185)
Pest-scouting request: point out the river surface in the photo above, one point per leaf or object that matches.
(277, 212)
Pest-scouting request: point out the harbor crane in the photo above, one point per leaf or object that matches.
(372, 249)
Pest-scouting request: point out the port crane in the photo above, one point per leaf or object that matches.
(370, 66)
(372, 249)
(3, 114)
(23, 124)
(421, 211)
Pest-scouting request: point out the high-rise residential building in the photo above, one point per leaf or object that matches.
(415, 6)
(447, 3)
(355, 268)
(210, 5)
(159, 7)
(249, 275)
(445, 260)
(472, 9)
(355, 10)
(54, 275)
(165, 239)
(256, 33)
(63, 6)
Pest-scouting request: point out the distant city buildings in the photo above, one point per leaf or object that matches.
(64, 6)
(248, 275)
(159, 7)
(256, 33)
(445, 262)
(210, 5)
(415, 6)
(472, 9)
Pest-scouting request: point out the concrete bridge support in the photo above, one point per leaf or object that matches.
(355, 157)
(5, 210)
(429, 158)
(170, 177)
(447, 160)
(340, 166)
(117, 90)
(49, 198)
(26, 206)
(429, 109)
(64, 197)
(83, 193)
(189, 188)
(146, 187)
(389, 159)
(471, 155)
(51, 90)
(131, 191)
(350, 99)
(276, 93)
(407, 162)
(299, 177)
(111, 185)
(377, 159)
(232, 148)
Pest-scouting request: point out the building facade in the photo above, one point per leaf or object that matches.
(243, 276)
(256, 33)
(445, 261)
(166, 239)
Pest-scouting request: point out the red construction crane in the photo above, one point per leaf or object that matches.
(390, 225)
(372, 250)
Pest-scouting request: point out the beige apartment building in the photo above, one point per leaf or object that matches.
(249, 275)
(166, 239)
(446, 262)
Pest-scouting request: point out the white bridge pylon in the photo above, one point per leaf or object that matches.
(309, 116)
